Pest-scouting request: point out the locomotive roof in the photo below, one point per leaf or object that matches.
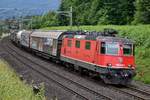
(48, 34)
(19, 32)
(27, 32)
(114, 39)
(109, 35)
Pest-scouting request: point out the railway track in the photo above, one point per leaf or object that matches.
(140, 86)
(77, 89)
(139, 90)
(131, 92)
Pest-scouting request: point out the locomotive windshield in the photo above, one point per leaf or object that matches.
(127, 49)
(109, 48)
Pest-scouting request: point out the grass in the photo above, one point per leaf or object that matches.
(139, 33)
(11, 88)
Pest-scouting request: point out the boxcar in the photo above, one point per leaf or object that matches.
(48, 43)
(17, 36)
(25, 39)
(13, 35)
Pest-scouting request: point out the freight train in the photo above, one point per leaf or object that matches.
(103, 54)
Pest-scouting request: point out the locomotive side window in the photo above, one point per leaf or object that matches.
(77, 44)
(127, 49)
(88, 45)
(103, 48)
(69, 43)
(63, 43)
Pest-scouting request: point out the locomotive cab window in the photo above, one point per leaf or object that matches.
(103, 48)
(77, 44)
(88, 45)
(127, 49)
(109, 48)
(69, 43)
(112, 48)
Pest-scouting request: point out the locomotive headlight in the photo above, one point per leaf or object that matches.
(109, 65)
(130, 66)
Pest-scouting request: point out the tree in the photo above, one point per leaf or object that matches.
(49, 19)
(117, 12)
(142, 14)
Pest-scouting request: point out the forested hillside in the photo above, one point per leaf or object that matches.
(120, 12)
(101, 11)
(98, 12)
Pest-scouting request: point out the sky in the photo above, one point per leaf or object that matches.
(53, 4)
(27, 5)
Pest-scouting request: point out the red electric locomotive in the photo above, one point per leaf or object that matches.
(101, 53)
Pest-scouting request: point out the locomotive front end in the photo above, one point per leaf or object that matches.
(117, 58)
